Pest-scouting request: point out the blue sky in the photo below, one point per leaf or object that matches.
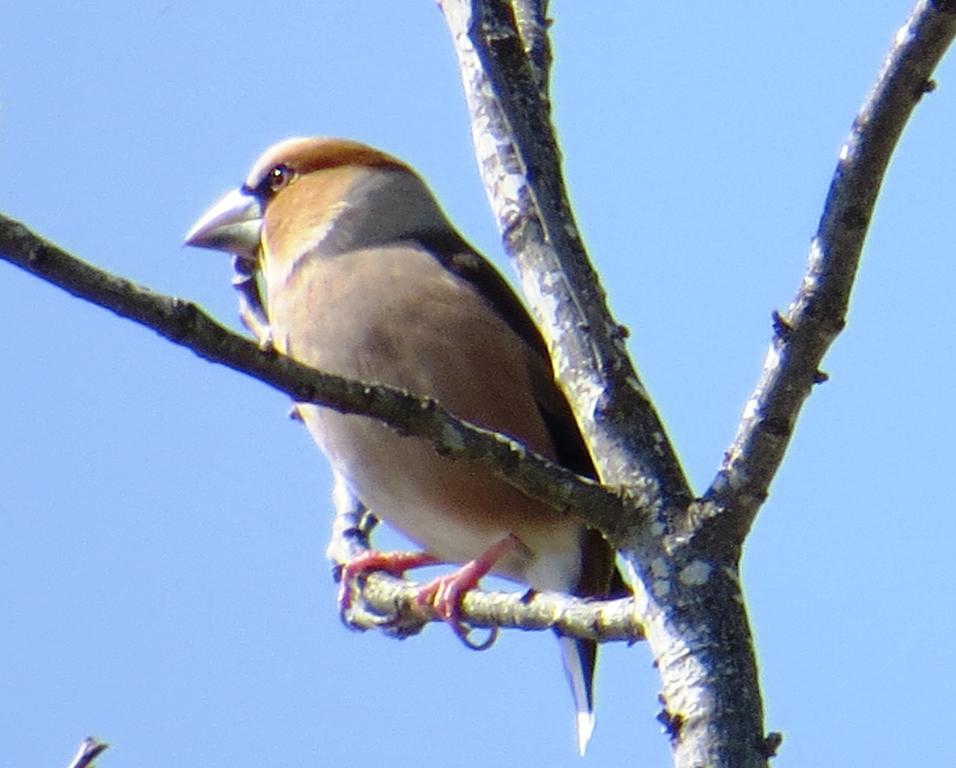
(162, 578)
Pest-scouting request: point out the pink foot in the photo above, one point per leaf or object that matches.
(394, 563)
(444, 594)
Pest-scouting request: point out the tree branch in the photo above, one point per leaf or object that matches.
(186, 325)
(684, 566)
(681, 555)
(519, 161)
(804, 333)
(689, 602)
(88, 751)
(387, 603)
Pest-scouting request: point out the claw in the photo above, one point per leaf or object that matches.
(443, 596)
(484, 645)
(394, 563)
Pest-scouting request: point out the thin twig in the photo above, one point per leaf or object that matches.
(803, 334)
(187, 325)
(532, 20)
(389, 604)
(88, 751)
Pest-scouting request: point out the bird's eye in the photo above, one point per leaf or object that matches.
(279, 177)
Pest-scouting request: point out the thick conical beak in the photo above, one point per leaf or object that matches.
(232, 224)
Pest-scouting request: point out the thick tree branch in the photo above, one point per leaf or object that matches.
(689, 602)
(683, 570)
(804, 333)
(519, 161)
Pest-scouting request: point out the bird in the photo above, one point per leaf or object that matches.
(366, 277)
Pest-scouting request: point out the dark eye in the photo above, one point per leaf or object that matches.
(279, 177)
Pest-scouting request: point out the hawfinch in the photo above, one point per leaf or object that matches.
(366, 278)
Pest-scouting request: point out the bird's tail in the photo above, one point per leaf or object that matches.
(579, 657)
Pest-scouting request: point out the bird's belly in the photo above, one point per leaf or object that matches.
(454, 510)
(396, 316)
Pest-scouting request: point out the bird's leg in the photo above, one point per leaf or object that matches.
(251, 311)
(394, 563)
(444, 594)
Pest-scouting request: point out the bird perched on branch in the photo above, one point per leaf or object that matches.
(366, 278)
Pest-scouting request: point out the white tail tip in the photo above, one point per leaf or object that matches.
(585, 723)
(580, 689)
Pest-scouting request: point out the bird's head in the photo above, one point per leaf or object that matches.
(308, 196)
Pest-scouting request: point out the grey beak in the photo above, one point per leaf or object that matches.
(233, 224)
